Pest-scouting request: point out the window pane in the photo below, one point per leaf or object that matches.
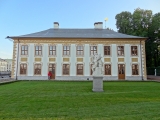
(22, 47)
(64, 48)
(40, 47)
(40, 52)
(22, 52)
(54, 47)
(67, 47)
(37, 47)
(54, 53)
(36, 52)
(67, 52)
(26, 47)
(50, 47)
(26, 52)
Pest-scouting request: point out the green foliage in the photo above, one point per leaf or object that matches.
(151, 71)
(47, 100)
(143, 23)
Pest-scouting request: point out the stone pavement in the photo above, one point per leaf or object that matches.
(4, 80)
(152, 77)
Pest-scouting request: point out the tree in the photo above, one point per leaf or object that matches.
(142, 23)
(155, 38)
(123, 23)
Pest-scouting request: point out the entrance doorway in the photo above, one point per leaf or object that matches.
(121, 71)
(52, 70)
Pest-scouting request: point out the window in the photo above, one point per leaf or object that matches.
(80, 50)
(66, 50)
(24, 50)
(107, 50)
(120, 50)
(79, 69)
(52, 50)
(38, 50)
(37, 69)
(93, 50)
(135, 69)
(107, 69)
(134, 50)
(23, 69)
(66, 69)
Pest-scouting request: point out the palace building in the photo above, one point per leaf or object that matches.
(67, 54)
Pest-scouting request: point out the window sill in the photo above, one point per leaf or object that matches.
(24, 55)
(52, 55)
(66, 56)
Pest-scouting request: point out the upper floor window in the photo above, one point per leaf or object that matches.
(23, 69)
(93, 50)
(134, 50)
(37, 69)
(135, 69)
(38, 50)
(66, 50)
(52, 50)
(24, 50)
(120, 50)
(80, 50)
(107, 50)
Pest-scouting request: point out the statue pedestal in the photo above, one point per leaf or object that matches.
(97, 84)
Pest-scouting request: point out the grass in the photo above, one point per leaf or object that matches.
(47, 100)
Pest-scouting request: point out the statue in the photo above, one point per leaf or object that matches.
(97, 67)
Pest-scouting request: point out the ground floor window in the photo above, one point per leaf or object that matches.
(66, 68)
(23, 69)
(107, 68)
(37, 69)
(79, 69)
(135, 69)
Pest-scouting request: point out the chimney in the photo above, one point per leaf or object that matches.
(98, 25)
(56, 25)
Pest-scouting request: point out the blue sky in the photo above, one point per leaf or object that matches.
(19, 17)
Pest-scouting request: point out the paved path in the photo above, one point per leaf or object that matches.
(6, 80)
(152, 77)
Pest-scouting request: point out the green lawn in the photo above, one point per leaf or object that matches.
(75, 100)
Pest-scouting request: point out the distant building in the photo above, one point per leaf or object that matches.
(5, 64)
(67, 54)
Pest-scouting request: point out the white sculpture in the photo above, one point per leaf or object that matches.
(97, 67)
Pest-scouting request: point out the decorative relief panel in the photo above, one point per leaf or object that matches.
(80, 41)
(52, 59)
(79, 59)
(107, 59)
(38, 59)
(134, 59)
(23, 59)
(65, 59)
(120, 59)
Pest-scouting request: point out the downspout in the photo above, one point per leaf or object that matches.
(17, 60)
(141, 59)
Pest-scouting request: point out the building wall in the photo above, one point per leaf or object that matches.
(5, 64)
(30, 60)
